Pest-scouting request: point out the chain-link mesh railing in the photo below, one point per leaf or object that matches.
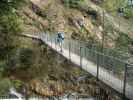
(114, 72)
(106, 68)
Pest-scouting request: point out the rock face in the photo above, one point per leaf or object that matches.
(85, 23)
(52, 89)
(84, 87)
(54, 85)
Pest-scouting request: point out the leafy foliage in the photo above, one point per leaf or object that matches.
(72, 3)
(129, 12)
(17, 84)
(5, 84)
(113, 6)
(123, 41)
(8, 6)
(2, 68)
(26, 56)
(10, 24)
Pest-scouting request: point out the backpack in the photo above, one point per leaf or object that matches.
(61, 36)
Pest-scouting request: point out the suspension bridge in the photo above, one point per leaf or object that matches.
(114, 72)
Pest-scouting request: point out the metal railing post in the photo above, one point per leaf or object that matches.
(97, 66)
(125, 82)
(86, 55)
(81, 57)
(51, 40)
(61, 46)
(47, 38)
(55, 42)
(70, 49)
(39, 35)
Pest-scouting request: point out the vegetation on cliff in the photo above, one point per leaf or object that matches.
(27, 61)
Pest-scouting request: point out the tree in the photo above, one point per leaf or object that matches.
(7, 6)
(9, 24)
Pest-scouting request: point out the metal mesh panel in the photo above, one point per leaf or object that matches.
(111, 70)
(66, 44)
(73, 46)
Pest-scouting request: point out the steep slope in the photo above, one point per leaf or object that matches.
(35, 67)
(53, 16)
(52, 75)
(39, 68)
(67, 20)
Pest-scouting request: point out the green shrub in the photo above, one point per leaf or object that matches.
(17, 84)
(128, 12)
(7, 6)
(9, 26)
(5, 84)
(3, 67)
(113, 5)
(72, 3)
(26, 57)
(123, 40)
